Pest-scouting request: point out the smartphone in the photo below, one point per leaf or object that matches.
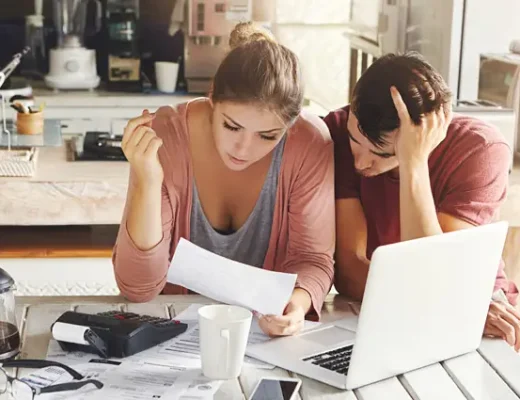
(276, 389)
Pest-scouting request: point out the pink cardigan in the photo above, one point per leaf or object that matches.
(303, 232)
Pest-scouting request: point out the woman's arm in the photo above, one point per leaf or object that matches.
(141, 253)
(141, 271)
(311, 240)
(144, 215)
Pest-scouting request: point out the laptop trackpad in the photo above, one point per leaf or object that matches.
(349, 323)
(330, 336)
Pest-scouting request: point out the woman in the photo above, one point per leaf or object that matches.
(243, 174)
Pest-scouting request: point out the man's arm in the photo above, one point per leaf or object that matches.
(416, 205)
(351, 249)
(351, 245)
(414, 144)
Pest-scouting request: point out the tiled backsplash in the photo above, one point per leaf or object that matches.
(314, 30)
(312, 11)
(324, 55)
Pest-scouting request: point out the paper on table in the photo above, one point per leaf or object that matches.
(46, 376)
(56, 353)
(124, 381)
(229, 281)
(90, 370)
(134, 381)
(190, 315)
(152, 356)
(187, 344)
(198, 387)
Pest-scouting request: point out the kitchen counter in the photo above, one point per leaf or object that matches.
(104, 98)
(94, 192)
(65, 193)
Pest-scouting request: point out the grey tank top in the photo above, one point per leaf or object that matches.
(249, 243)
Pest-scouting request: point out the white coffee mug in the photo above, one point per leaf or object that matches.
(224, 331)
(166, 76)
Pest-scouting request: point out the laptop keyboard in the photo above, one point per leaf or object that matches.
(337, 360)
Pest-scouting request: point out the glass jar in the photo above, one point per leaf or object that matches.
(9, 335)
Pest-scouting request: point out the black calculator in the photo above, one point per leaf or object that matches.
(116, 333)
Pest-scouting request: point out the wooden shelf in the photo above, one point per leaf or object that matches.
(57, 241)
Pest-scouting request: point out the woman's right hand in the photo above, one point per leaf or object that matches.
(140, 145)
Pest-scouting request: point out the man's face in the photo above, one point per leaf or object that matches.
(370, 160)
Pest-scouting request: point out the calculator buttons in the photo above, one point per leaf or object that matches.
(128, 316)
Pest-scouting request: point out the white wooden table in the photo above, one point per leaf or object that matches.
(493, 372)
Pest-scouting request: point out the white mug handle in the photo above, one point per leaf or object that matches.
(224, 333)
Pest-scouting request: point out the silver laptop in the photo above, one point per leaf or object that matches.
(425, 301)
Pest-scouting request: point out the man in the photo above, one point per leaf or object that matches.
(407, 168)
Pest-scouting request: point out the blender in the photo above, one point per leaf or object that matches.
(71, 64)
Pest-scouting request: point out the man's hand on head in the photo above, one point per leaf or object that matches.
(503, 321)
(414, 143)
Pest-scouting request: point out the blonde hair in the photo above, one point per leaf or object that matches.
(259, 70)
(247, 32)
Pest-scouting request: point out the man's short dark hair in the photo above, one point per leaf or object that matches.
(422, 88)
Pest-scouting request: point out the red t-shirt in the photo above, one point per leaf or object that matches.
(468, 174)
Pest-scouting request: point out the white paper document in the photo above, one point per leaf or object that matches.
(155, 356)
(47, 376)
(198, 387)
(130, 381)
(230, 282)
(187, 346)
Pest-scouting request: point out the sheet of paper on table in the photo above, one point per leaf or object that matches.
(124, 381)
(187, 344)
(152, 356)
(229, 281)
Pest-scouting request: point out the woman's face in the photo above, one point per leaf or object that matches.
(244, 133)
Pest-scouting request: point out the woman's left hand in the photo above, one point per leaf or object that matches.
(290, 323)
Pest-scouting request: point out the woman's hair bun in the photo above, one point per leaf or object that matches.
(247, 32)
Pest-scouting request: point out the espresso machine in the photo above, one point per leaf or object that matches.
(209, 24)
(71, 64)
